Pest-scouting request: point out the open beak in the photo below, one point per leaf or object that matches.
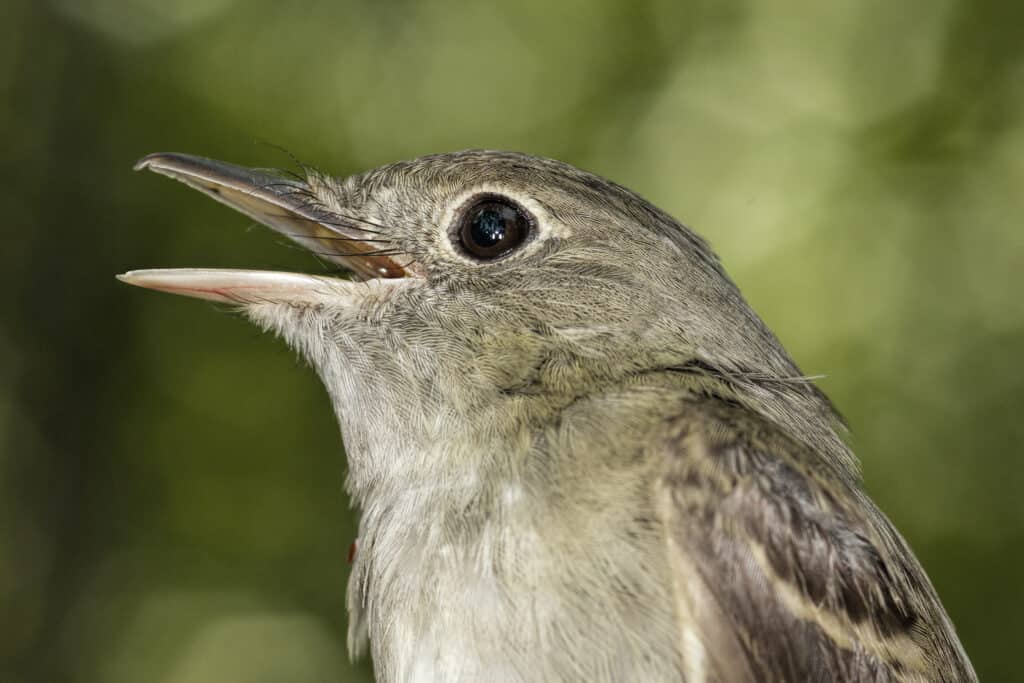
(285, 204)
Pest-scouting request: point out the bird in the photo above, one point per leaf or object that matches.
(577, 452)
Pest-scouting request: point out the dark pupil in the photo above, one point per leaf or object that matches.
(488, 227)
(492, 229)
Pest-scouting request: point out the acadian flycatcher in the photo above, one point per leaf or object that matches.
(578, 453)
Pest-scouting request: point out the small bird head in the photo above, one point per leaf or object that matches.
(487, 292)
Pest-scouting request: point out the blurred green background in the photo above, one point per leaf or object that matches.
(171, 504)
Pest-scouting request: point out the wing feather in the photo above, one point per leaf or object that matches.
(784, 570)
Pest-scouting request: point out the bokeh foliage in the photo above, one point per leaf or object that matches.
(171, 503)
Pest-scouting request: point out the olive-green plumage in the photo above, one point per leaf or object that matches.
(578, 453)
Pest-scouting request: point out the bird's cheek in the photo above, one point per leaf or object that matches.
(511, 364)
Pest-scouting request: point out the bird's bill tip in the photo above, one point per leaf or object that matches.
(143, 163)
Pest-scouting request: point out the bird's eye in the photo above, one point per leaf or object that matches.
(492, 227)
